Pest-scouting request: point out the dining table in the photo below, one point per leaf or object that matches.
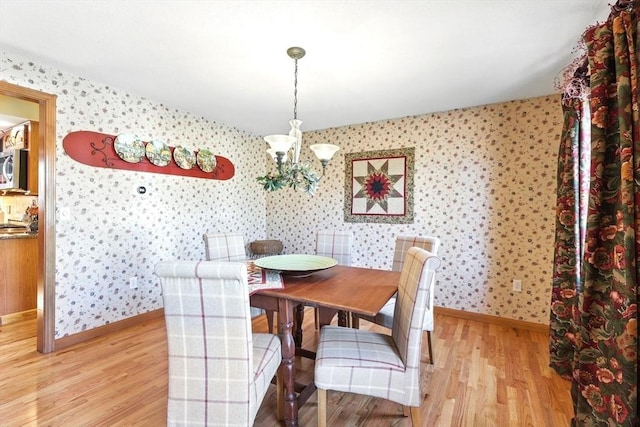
(339, 289)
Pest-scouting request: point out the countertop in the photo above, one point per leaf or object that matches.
(25, 235)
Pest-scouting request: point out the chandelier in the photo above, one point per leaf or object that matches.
(285, 150)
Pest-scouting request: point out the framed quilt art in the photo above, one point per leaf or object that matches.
(379, 186)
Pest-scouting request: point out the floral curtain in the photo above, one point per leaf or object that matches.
(594, 337)
(573, 175)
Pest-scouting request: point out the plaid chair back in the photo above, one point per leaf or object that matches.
(335, 244)
(403, 243)
(210, 344)
(431, 244)
(225, 247)
(414, 288)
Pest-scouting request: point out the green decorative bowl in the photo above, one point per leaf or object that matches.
(298, 265)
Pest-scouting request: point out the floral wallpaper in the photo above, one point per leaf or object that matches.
(484, 183)
(113, 232)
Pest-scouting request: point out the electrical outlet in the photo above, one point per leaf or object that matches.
(517, 285)
(133, 282)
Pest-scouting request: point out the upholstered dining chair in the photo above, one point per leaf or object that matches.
(385, 316)
(231, 247)
(375, 364)
(337, 245)
(219, 371)
(225, 247)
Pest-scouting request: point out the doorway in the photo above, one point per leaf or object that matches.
(45, 302)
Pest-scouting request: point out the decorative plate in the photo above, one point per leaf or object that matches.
(158, 153)
(206, 160)
(129, 147)
(299, 265)
(184, 157)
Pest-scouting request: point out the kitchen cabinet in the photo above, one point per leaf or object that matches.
(18, 269)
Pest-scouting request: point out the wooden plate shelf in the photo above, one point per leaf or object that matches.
(96, 149)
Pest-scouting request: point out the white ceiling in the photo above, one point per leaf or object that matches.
(366, 60)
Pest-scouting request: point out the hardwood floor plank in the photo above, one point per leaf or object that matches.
(484, 375)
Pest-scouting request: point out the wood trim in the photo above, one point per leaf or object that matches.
(47, 217)
(495, 320)
(109, 328)
(70, 340)
(18, 317)
(46, 268)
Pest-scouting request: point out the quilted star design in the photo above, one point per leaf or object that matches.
(377, 186)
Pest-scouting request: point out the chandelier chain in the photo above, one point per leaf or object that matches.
(295, 90)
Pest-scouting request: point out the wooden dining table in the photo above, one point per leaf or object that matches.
(339, 289)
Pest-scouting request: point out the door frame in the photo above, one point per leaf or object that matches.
(46, 211)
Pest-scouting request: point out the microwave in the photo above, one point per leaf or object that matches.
(13, 169)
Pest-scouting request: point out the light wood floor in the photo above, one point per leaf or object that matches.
(485, 375)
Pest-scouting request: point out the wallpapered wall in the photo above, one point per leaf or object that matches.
(114, 233)
(485, 182)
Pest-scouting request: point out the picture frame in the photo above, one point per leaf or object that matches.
(379, 186)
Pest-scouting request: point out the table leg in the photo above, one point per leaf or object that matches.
(325, 315)
(299, 318)
(287, 366)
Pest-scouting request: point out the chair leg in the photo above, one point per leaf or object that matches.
(355, 321)
(279, 396)
(269, 315)
(316, 317)
(342, 314)
(430, 348)
(415, 416)
(322, 408)
(414, 411)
